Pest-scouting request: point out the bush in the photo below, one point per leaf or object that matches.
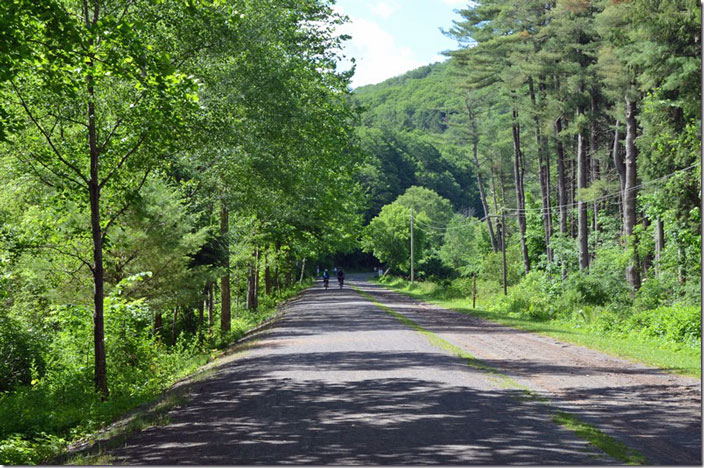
(20, 354)
(531, 298)
(653, 292)
(678, 324)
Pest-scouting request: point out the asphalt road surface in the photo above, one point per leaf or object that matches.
(338, 380)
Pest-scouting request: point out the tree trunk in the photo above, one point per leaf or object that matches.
(173, 325)
(267, 274)
(252, 302)
(595, 169)
(647, 263)
(620, 166)
(277, 282)
(201, 311)
(543, 175)
(659, 233)
(520, 194)
(100, 370)
(303, 270)
(582, 219)
(630, 192)
(158, 323)
(477, 170)
(211, 303)
(237, 290)
(256, 278)
(561, 177)
(225, 302)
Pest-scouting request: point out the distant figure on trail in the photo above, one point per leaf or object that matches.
(340, 277)
(326, 278)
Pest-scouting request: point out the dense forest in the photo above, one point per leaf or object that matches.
(167, 169)
(173, 170)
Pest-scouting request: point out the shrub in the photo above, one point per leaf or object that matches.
(20, 354)
(677, 324)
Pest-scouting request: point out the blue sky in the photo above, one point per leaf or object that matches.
(390, 37)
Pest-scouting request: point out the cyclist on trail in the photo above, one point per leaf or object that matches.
(326, 278)
(340, 277)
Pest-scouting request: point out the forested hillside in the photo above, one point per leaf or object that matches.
(404, 132)
(579, 126)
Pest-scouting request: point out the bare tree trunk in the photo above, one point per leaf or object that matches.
(303, 270)
(211, 304)
(647, 263)
(252, 299)
(477, 170)
(201, 311)
(520, 194)
(583, 221)
(659, 234)
(595, 169)
(158, 323)
(173, 325)
(225, 298)
(620, 166)
(277, 281)
(237, 290)
(543, 176)
(267, 274)
(256, 277)
(561, 177)
(630, 192)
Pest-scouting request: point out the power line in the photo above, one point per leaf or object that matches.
(515, 211)
(430, 228)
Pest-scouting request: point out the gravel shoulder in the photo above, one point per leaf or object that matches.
(657, 413)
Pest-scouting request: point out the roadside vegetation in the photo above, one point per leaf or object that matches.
(60, 406)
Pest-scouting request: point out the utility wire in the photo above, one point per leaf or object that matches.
(515, 211)
(435, 229)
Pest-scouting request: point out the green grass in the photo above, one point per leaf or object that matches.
(684, 361)
(594, 436)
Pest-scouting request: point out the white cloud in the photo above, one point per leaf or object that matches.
(377, 55)
(458, 3)
(386, 9)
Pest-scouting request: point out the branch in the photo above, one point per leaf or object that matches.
(122, 161)
(46, 135)
(124, 207)
(68, 254)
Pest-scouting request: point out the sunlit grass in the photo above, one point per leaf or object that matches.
(606, 443)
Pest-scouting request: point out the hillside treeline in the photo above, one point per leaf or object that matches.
(166, 166)
(579, 122)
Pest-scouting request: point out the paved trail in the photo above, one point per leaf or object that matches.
(340, 381)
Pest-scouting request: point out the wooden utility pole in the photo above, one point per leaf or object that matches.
(411, 245)
(503, 246)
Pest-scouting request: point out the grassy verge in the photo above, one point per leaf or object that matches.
(39, 422)
(679, 360)
(607, 444)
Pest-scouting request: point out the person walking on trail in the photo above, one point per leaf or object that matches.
(340, 277)
(326, 278)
